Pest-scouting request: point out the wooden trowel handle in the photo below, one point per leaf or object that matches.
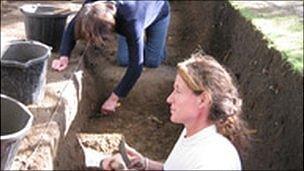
(123, 152)
(61, 10)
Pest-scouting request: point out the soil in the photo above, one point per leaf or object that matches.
(272, 92)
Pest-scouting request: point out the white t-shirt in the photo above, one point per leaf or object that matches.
(205, 150)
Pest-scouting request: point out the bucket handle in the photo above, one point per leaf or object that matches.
(34, 8)
(28, 63)
(27, 111)
(42, 57)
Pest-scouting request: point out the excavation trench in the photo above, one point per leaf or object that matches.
(272, 93)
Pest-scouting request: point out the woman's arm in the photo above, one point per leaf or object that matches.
(139, 162)
(153, 165)
(135, 41)
(68, 39)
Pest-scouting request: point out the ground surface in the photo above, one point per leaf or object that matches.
(273, 94)
(282, 24)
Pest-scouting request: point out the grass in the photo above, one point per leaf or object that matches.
(283, 32)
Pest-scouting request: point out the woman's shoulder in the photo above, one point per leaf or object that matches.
(220, 142)
(220, 153)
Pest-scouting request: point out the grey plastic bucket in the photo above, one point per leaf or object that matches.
(16, 120)
(23, 70)
(45, 23)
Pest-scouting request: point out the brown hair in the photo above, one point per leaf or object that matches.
(95, 22)
(203, 73)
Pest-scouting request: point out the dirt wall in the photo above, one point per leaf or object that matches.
(191, 27)
(272, 92)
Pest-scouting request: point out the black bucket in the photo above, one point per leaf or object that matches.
(16, 120)
(23, 70)
(45, 23)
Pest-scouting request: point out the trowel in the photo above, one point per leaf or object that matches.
(93, 157)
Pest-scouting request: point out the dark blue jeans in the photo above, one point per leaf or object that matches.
(155, 45)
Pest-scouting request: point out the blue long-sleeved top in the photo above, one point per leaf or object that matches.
(132, 18)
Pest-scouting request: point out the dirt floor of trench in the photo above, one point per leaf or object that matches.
(273, 94)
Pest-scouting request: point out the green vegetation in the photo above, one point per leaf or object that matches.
(283, 31)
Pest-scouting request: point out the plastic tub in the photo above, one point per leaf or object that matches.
(23, 70)
(16, 120)
(45, 23)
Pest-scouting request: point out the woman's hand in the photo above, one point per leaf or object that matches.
(110, 105)
(138, 161)
(61, 63)
(114, 163)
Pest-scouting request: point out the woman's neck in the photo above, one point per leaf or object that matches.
(193, 128)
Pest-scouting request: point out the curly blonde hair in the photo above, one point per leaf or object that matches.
(203, 73)
(95, 22)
